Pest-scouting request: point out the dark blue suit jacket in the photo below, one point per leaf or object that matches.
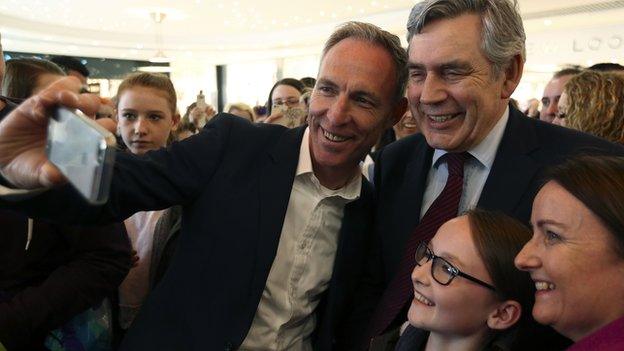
(527, 148)
(234, 181)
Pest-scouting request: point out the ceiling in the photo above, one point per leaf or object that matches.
(219, 30)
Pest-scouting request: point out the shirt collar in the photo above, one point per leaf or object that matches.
(351, 191)
(485, 151)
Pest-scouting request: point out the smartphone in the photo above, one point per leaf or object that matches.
(292, 116)
(83, 151)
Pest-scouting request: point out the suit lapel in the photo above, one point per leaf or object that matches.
(414, 185)
(275, 185)
(513, 168)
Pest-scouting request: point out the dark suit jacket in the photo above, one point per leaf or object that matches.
(527, 148)
(234, 181)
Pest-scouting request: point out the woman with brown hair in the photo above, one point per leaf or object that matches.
(576, 255)
(27, 76)
(593, 102)
(467, 293)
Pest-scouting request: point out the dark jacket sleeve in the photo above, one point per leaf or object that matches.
(157, 180)
(99, 261)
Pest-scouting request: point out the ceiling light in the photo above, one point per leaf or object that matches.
(155, 69)
(159, 57)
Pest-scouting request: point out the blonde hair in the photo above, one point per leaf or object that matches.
(154, 81)
(242, 107)
(596, 104)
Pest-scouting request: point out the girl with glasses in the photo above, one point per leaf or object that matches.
(467, 293)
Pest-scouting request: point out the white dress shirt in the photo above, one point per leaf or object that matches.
(476, 169)
(302, 269)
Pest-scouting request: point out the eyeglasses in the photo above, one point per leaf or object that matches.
(290, 102)
(442, 270)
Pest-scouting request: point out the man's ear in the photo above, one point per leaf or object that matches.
(175, 121)
(506, 314)
(513, 74)
(398, 112)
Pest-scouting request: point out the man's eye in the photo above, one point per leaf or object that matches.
(128, 115)
(363, 101)
(325, 90)
(545, 102)
(452, 73)
(417, 75)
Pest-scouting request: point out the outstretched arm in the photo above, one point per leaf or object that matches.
(23, 161)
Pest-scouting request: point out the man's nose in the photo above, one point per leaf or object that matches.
(552, 109)
(433, 90)
(338, 112)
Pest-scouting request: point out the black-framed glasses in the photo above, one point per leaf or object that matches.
(290, 102)
(442, 270)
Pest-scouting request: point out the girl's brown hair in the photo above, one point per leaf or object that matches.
(154, 81)
(498, 238)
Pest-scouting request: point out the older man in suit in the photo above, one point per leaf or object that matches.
(275, 221)
(465, 60)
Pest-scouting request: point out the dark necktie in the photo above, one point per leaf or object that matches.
(445, 207)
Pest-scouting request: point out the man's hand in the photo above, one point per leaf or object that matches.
(23, 132)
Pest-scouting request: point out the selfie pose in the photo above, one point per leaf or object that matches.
(275, 222)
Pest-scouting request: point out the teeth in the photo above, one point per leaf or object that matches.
(422, 299)
(540, 286)
(441, 118)
(333, 137)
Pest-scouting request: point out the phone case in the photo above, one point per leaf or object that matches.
(83, 151)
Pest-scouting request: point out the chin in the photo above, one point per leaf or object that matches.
(542, 316)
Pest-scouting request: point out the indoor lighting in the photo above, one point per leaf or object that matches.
(159, 57)
(155, 69)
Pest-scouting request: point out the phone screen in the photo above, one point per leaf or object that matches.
(83, 151)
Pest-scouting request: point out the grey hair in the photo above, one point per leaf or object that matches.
(374, 35)
(503, 34)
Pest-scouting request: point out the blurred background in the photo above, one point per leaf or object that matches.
(237, 49)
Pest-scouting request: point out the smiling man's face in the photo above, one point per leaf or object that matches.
(452, 90)
(352, 103)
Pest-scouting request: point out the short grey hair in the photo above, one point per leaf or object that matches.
(503, 32)
(370, 33)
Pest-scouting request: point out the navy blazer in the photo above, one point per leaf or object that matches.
(527, 148)
(233, 180)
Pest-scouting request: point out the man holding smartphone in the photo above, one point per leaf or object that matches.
(275, 221)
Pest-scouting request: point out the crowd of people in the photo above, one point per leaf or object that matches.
(399, 201)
